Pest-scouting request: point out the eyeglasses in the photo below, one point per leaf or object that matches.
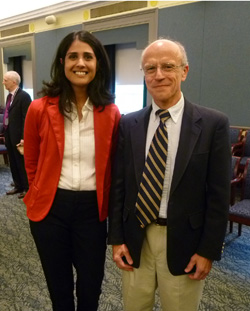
(150, 70)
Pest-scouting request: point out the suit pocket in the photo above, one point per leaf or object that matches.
(196, 220)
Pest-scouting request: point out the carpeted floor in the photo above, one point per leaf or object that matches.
(23, 288)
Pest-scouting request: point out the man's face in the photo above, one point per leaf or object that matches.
(164, 72)
(9, 84)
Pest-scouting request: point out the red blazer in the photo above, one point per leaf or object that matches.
(43, 155)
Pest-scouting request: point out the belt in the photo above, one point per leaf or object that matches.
(161, 221)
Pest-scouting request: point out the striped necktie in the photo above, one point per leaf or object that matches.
(150, 192)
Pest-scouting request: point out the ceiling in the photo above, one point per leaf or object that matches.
(24, 6)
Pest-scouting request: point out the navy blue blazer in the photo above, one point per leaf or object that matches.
(200, 190)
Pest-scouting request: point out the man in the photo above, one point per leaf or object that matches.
(170, 244)
(17, 105)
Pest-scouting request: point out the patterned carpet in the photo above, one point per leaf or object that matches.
(23, 288)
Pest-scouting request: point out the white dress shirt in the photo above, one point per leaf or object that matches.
(173, 125)
(78, 167)
(13, 93)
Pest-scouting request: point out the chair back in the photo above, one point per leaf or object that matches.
(245, 190)
(235, 167)
(235, 134)
(1, 123)
(246, 145)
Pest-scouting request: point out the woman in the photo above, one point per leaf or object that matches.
(70, 136)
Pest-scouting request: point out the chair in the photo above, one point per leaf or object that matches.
(3, 149)
(239, 212)
(237, 140)
(245, 151)
(235, 177)
(1, 124)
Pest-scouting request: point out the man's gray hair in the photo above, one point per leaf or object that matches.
(14, 76)
(180, 45)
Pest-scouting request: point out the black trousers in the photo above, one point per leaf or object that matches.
(17, 167)
(72, 235)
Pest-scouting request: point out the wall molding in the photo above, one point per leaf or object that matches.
(149, 16)
(49, 10)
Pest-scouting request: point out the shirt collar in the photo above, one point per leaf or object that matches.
(175, 111)
(14, 91)
(88, 105)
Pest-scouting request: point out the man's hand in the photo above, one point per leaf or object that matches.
(120, 251)
(203, 267)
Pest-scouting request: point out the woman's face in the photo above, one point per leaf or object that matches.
(80, 64)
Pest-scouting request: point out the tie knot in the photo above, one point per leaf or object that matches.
(163, 114)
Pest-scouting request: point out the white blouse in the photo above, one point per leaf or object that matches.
(78, 167)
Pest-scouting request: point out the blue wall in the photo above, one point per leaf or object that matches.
(216, 37)
(46, 44)
(131, 34)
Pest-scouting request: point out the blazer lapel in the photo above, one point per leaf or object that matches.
(57, 123)
(190, 132)
(103, 140)
(14, 99)
(138, 134)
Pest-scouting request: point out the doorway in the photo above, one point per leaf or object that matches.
(17, 55)
(130, 34)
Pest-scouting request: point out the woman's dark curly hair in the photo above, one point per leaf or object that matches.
(98, 89)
